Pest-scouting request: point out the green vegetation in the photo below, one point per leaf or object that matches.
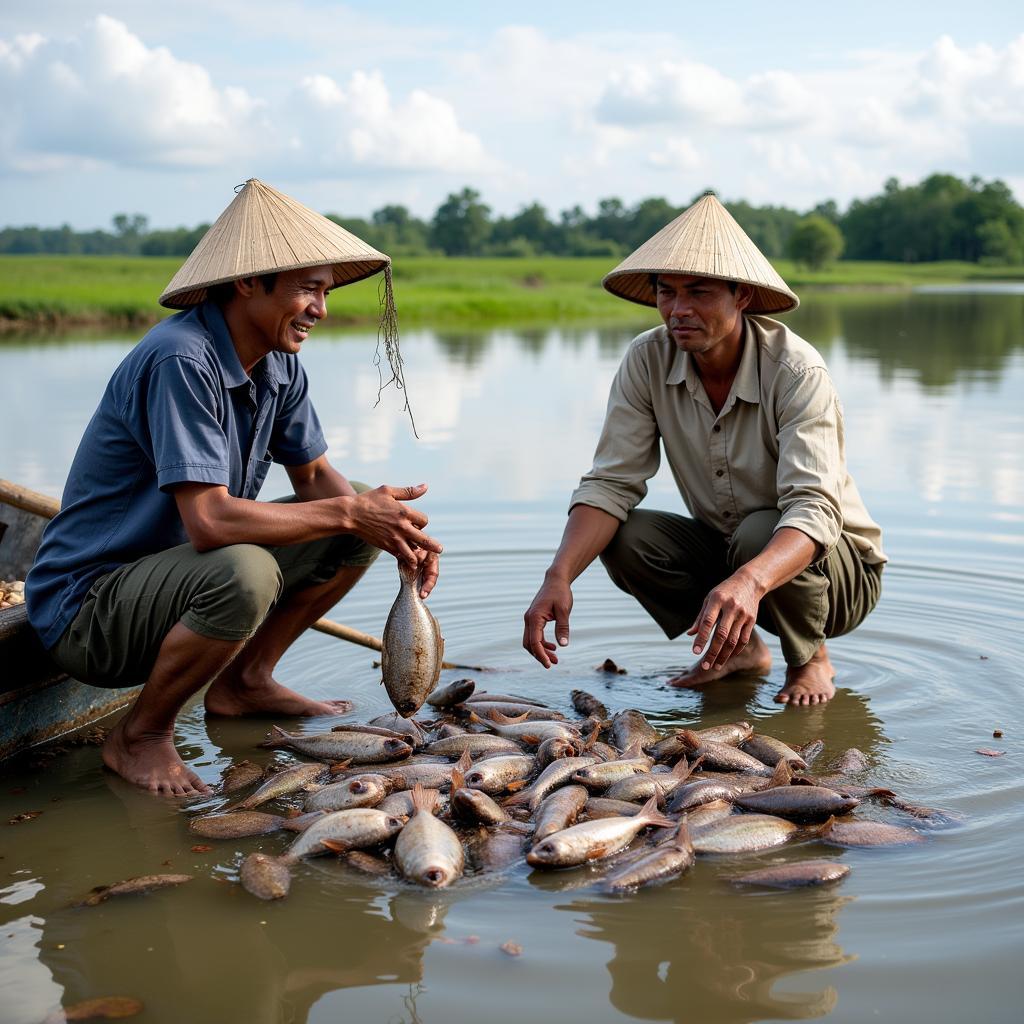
(49, 291)
(815, 242)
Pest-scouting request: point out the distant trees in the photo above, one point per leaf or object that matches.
(815, 242)
(940, 218)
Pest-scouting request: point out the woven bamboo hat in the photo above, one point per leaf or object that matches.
(705, 241)
(264, 231)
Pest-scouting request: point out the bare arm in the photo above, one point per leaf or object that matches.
(729, 612)
(587, 533)
(328, 506)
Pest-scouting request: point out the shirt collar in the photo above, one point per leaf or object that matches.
(234, 375)
(746, 385)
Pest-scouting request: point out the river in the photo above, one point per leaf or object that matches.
(931, 384)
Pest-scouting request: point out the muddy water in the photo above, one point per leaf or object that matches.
(932, 389)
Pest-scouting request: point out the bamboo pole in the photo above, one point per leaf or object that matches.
(43, 505)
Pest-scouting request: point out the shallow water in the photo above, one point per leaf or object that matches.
(931, 385)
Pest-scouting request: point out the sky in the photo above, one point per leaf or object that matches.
(129, 106)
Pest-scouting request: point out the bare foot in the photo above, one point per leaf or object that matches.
(810, 683)
(754, 659)
(149, 760)
(232, 696)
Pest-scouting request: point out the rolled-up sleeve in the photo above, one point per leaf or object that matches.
(297, 437)
(173, 415)
(628, 452)
(812, 463)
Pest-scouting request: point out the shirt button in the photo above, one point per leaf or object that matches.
(719, 472)
(717, 427)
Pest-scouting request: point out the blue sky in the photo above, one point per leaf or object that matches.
(157, 108)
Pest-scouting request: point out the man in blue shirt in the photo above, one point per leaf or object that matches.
(161, 568)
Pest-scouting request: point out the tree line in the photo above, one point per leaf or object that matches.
(940, 218)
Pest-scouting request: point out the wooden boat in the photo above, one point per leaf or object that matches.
(38, 702)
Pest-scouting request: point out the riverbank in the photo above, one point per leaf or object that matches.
(56, 292)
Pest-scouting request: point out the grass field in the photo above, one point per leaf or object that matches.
(52, 291)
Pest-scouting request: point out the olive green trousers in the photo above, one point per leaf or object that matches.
(670, 563)
(224, 594)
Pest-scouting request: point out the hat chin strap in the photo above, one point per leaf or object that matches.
(387, 333)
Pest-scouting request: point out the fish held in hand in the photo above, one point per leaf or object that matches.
(412, 648)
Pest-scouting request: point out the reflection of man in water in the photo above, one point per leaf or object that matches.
(753, 432)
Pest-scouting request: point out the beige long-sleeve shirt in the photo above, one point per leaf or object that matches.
(777, 442)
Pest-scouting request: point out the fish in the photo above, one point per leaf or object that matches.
(496, 773)
(266, 877)
(239, 775)
(723, 756)
(475, 742)
(412, 648)
(744, 833)
(559, 810)
(707, 814)
(692, 794)
(867, 833)
(606, 773)
(644, 786)
(793, 876)
(431, 775)
(798, 803)
(513, 709)
(771, 751)
(472, 804)
(131, 887)
(595, 839)
(630, 726)
(291, 780)
(241, 824)
(556, 774)
(520, 729)
(407, 728)
(368, 863)
(450, 729)
(732, 734)
(400, 804)
(359, 747)
(496, 849)
(671, 748)
(669, 859)
(588, 705)
(849, 762)
(810, 752)
(514, 698)
(602, 807)
(553, 749)
(344, 830)
(451, 694)
(427, 851)
(362, 791)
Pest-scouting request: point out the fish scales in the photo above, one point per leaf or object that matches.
(669, 859)
(744, 833)
(556, 774)
(359, 747)
(559, 810)
(427, 851)
(412, 648)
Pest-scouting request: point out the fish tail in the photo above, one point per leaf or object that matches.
(423, 799)
(459, 771)
(682, 838)
(690, 739)
(683, 769)
(652, 816)
(497, 716)
(783, 774)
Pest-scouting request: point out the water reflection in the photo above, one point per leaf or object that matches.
(691, 953)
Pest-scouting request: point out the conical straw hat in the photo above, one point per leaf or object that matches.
(264, 231)
(705, 241)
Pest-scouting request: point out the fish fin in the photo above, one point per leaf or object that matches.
(497, 716)
(423, 799)
(530, 738)
(592, 738)
(823, 829)
(783, 774)
(683, 769)
(302, 821)
(335, 845)
(277, 737)
(653, 816)
(635, 749)
(459, 771)
(690, 739)
(339, 766)
(682, 838)
(514, 787)
(476, 719)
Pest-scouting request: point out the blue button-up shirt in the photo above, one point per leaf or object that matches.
(178, 409)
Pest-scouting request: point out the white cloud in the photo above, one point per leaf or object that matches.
(676, 155)
(105, 97)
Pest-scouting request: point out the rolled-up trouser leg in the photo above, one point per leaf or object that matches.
(829, 598)
(224, 594)
(668, 563)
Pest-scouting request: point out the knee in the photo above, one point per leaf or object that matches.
(243, 582)
(752, 536)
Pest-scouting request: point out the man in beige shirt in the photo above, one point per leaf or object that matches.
(753, 432)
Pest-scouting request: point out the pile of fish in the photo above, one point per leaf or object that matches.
(12, 592)
(492, 780)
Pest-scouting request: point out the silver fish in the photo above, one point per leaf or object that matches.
(476, 743)
(412, 648)
(496, 773)
(668, 859)
(349, 794)
(721, 755)
(594, 840)
(588, 705)
(602, 807)
(559, 810)
(241, 824)
(771, 751)
(427, 850)
(344, 830)
(744, 833)
(360, 747)
(558, 773)
(867, 833)
(642, 787)
(522, 730)
(798, 803)
(452, 694)
(630, 726)
(792, 876)
(266, 877)
(291, 780)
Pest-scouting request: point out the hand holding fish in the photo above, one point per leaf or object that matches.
(380, 517)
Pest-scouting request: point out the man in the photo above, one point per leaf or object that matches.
(753, 432)
(161, 568)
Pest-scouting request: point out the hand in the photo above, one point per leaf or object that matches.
(726, 619)
(380, 518)
(552, 603)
